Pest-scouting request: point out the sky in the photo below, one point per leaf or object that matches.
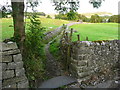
(110, 6)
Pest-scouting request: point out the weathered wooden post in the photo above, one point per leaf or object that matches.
(68, 49)
(71, 34)
(78, 37)
(66, 37)
(86, 38)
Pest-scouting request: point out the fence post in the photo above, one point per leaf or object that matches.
(66, 37)
(71, 34)
(78, 37)
(87, 38)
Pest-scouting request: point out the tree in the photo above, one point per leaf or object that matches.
(5, 10)
(72, 15)
(48, 16)
(96, 3)
(95, 19)
(18, 20)
(83, 18)
(115, 19)
(70, 7)
(65, 6)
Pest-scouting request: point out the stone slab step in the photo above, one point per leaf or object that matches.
(58, 82)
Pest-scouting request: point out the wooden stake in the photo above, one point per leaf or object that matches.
(66, 36)
(71, 34)
(78, 37)
(87, 38)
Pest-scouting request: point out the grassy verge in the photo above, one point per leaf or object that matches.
(54, 49)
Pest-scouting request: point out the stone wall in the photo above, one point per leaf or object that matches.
(52, 34)
(11, 66)
(93, 62)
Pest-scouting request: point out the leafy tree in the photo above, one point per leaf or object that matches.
(5, 10)
(61, 16)
(70, 7)
(18, 20)
(96, 3)
(95, 19)
(72, 15)
(65, 6)
(83, 18)
(115, 19)
(48, 16)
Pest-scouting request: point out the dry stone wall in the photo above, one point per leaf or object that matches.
(11, 66)
(93, 62)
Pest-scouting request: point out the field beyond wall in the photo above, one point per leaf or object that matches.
(94, 31)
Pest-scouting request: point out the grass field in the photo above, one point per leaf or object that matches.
(101, 31)
(7, 31)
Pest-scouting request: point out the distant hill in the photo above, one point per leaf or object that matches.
(99, 13)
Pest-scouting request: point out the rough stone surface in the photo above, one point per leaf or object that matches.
(97, 60)
(3, 66)
(11, 52)
(20, 72)
(57, 82)
(11, 86)
(0, 84)
(23, 84)
(17, 57)
(8, 74)
(13, 80)
(7, 58)
(11, 67)
(8, 46)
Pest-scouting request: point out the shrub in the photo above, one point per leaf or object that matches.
(48, 16)
(33, 59)
(115, 19)
(95, 19)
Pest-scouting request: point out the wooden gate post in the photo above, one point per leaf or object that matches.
(87, 38)
(71, 34)
(78, 37)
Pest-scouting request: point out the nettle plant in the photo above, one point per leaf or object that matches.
(35, 35)
(34, 49)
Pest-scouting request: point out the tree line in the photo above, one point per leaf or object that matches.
(93, 19)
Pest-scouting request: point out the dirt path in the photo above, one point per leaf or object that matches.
(53, 66)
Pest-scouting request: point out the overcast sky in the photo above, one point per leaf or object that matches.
(85, 7)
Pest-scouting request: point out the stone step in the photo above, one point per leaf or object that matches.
(58, 82)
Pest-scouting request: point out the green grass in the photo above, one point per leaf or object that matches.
(54, 49)
(7, 31)
(101, 31)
